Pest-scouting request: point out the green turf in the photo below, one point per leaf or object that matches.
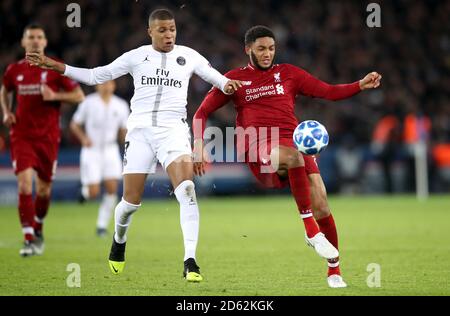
(248, 246)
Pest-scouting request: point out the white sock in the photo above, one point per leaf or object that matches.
(122, 218)
(189, 216)
(28, 230)
(85, 192)
(105, 210)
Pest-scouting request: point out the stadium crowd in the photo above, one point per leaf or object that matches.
(330, 39)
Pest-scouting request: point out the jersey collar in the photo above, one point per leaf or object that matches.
(249, 65)
(153, 49)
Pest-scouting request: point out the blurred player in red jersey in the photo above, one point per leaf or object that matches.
(34, 132)
(267, 100)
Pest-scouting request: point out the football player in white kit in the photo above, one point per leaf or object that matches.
(104, 117)
(157, 128)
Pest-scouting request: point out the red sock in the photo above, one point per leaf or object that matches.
(300, 189)
(41, 205)
(26, 215)
(328, 227)
(333, 268)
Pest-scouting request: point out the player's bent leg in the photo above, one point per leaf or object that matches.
(26, 210)
(327, 226)
(133, 189)
(289, 158)
(180, 172)
(109, 200)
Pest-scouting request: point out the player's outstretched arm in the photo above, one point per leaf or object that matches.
(90, 77)
(204, 69)
(311, 86)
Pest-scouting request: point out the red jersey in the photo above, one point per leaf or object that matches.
(267, 98)
(35, 118)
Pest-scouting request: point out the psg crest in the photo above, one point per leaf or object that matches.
(181, 61)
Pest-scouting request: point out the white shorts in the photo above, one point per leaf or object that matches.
(98, 164)
(144, 147)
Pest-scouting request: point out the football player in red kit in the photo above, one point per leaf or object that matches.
(267, 101)
(34, 132)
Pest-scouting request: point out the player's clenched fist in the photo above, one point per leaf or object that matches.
(370, 81)
(9, 119)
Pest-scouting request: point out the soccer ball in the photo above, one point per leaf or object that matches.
(310, 137)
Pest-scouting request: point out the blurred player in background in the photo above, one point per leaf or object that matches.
(34, 133)
(104, 117)
(267, 100)
(157, 127)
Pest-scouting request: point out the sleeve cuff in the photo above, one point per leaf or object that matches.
(222, 85)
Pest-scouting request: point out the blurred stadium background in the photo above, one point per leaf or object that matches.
(372, 135)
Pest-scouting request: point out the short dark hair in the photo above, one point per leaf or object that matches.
(161, 14)
(256, 32)
(33, 26)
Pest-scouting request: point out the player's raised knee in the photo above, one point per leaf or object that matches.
(185, 189)
(287, 157)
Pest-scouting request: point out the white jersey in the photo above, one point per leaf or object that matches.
(102, 121)
(161, 82)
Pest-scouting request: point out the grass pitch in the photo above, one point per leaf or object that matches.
(248, 246)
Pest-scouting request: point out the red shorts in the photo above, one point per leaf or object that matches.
(272, 179)
(40, 155)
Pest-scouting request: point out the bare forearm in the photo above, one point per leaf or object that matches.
(122, 134)
(57, 66)
(75, 96)
(77, 131)
(5, 100)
